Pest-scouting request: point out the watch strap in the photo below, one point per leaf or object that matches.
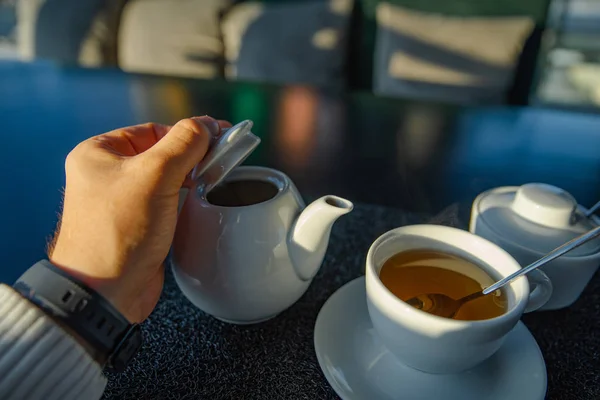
(81, 309)
(38, 359)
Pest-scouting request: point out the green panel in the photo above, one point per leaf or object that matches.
(252, 102)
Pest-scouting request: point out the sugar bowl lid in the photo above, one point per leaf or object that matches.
(536, 216)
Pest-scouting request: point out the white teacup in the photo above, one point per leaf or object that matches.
(439, 345)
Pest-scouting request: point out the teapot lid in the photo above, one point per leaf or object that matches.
(538, 217)
(229, 151)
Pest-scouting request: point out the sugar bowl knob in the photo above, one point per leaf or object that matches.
(545, 205)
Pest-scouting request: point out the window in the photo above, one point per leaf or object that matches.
(570, 55)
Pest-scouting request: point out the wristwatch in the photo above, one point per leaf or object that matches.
(82, 310)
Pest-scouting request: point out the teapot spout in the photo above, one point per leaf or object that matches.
(309, 236)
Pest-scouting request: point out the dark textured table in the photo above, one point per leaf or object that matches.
(190, 355)
(412, 156)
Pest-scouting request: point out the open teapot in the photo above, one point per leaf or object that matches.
(248, 248)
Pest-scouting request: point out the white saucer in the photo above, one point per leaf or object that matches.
(358, 366)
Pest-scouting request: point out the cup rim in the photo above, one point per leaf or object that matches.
(403, 309)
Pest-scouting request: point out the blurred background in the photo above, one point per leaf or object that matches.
(413, 104)
(460, 51)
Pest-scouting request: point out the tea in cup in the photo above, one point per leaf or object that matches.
(411, 274)
(423, 259)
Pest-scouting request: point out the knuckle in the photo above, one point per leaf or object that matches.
(190, 124)
(151, 126)
(74, 156)
(192, 130)
(70, 160)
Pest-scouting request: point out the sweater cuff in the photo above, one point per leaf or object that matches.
(38, 359)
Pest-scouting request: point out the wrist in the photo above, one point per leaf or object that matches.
(91, 273)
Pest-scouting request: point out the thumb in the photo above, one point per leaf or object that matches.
(184, 146)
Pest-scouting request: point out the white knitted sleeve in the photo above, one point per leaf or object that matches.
(39, 360)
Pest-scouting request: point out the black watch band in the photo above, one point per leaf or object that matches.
(83, 310)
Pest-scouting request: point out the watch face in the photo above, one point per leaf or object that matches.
(126, 349)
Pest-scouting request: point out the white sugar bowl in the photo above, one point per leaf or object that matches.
(531, 220)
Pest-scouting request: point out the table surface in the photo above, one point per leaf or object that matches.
(417, 157)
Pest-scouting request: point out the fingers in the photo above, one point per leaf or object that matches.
(224, 124)
(134, 140)
(188, 182)
(183, 146)
(171, 149)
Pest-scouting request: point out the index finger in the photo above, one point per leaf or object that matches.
(136, 139)
(132, 140)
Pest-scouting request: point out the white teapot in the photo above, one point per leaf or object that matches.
(248, 248)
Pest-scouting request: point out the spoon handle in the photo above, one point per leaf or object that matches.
(559, 251)
(593, 209)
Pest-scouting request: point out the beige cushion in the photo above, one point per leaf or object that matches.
(585, 77)
(99, 45)
(414, 47)
(91, 53)
(172, 37)
(27, 14)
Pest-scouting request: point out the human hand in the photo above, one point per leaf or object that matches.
(120, 208)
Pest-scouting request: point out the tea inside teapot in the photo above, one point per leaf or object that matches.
(241, 193)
